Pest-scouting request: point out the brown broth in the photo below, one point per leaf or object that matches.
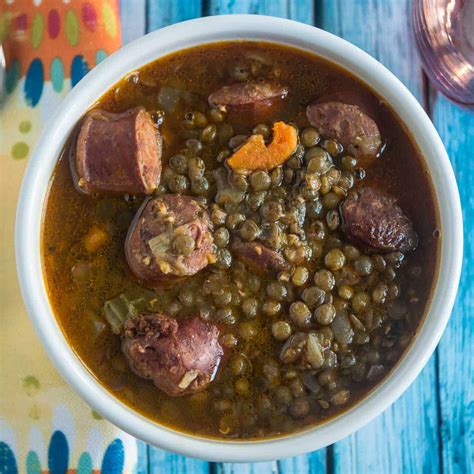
(69, 215)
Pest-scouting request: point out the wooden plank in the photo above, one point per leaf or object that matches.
(456, 349)
(142, 458)
(300, 10)
(405, 438)
(315, 462)
(312, 463)
(132, 19)
(246, 468)
(161, 13)
(380, 27)
(166, 12)
(163, 462)
(225, 7)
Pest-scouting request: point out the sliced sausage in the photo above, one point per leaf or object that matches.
(355, 130)
(259, 258)
(376, 221)
(179, 357)
(118, 153)
(249, 101)
(170, 237)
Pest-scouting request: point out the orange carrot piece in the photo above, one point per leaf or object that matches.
(254, 155)
(95, 239)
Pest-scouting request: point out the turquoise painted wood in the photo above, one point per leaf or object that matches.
(300, 11)
(405, 438)
(166, 12)
(246, 468)
(286, 9)
(430, 428)
(456, 349)
(162, 13)
(142, 458)
(132, 19)
(161, 461)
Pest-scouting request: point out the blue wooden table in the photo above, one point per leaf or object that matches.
(430, 429)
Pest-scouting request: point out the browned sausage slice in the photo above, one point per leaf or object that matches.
(170, 237)
(355, 130)
(375, 220)
(259, 257)
(249, 101)
(179, 357)
(118, 153)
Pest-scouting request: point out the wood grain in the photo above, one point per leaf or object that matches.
(222, 7)
(162, 13)
(246, 468)
(405, 438)
(142, 458)
(456, 349)
(132, 19)
(161, 462)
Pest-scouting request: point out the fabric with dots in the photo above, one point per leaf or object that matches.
(49, 46)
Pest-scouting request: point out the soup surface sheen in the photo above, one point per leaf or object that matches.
(362, 308)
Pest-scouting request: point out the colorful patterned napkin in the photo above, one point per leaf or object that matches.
(49, 45)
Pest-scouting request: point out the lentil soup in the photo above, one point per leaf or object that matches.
(240, 240)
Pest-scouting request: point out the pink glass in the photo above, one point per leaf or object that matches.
(444, 31)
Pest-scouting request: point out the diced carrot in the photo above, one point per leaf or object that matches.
(254, 155)
(95, 239)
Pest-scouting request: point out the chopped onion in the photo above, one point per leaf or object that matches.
(118, 311)
(310, 382)
(99, 326)
(81, 273)
(293, 347)
(342, 328)
(160, 245)
(375, 372)
(259, 56)
(225, 192)
(188, 378)
(168, 98)
(314, 354)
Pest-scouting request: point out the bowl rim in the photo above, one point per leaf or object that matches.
(180, 36)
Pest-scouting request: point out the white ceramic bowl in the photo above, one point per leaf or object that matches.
(174, 38)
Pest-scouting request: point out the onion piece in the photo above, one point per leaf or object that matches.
(226, 193)
(168, 98)
(310, 382)
(314, 354)
(119, 310)
(188, 379)
(259, 56)
(342, 328)
(293, 348)
(375, 372)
